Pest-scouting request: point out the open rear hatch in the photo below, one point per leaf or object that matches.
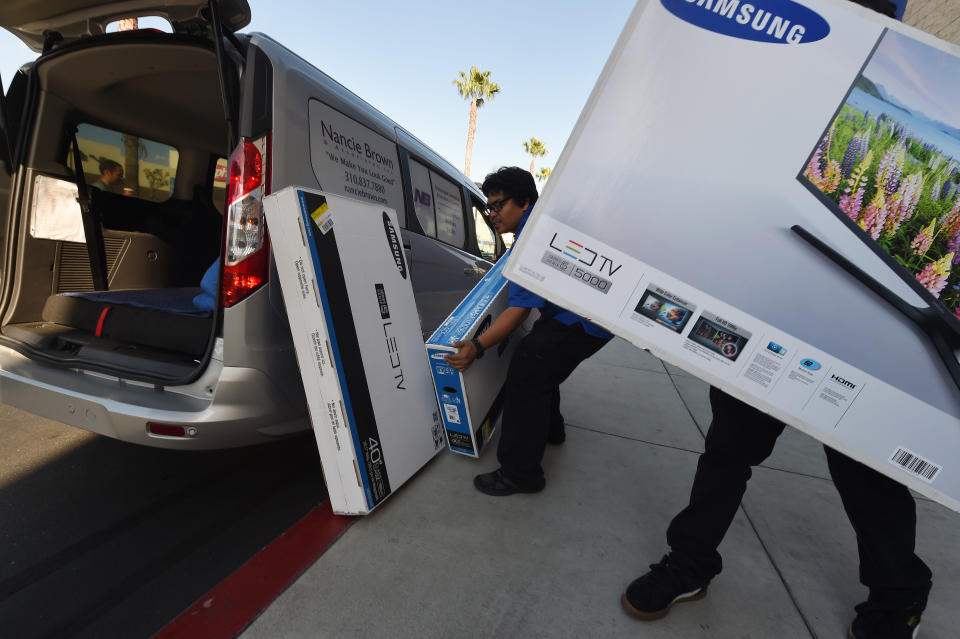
(147, 329)
(45, 24)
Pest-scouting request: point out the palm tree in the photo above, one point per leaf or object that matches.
(535, 148)
(543, 173)
(475, 87)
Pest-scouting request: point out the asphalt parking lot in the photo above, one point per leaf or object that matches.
(99, 538)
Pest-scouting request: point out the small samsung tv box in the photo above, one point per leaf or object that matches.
(471, 401)
(346, 286)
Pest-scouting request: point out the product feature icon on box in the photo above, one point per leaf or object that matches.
(776, 349)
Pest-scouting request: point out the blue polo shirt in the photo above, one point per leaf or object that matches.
(523, 298)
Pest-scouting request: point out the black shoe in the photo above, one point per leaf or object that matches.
(652, 595)
(499, 485)
(558, 433)
(874, 621)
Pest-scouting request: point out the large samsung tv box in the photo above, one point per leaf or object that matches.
(356, 332)
(471, 401)
(782, 219)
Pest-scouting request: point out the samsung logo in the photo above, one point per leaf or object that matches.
(778, 21)
(396, 249)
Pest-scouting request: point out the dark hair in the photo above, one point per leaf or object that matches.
(513, 182)
(108, 165)
(885, 7)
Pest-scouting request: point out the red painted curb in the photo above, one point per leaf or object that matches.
(236, 601)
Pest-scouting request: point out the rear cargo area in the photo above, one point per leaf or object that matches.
(147, 118)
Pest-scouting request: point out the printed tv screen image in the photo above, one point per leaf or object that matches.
(663, 311)
(889, 162)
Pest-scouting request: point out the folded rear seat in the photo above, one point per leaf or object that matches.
(160, 318)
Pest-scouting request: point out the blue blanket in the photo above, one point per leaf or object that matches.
(207, 299)
(179, 301)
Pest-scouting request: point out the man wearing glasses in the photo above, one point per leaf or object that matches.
(555, 346)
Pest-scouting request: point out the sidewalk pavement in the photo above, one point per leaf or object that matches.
(440, 559)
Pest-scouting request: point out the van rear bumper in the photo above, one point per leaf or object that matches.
(228, 406)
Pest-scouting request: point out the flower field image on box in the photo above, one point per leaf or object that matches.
(890, 161)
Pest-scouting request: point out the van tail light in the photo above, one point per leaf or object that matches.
(246, 259)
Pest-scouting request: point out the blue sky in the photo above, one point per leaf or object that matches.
(920, 76)
(402, 57)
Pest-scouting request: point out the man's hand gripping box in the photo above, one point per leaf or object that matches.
(471, 401)
(356, 332)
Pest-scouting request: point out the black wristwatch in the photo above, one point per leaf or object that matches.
(477, 345)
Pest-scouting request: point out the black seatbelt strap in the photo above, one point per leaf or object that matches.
(96, 252)
(226, 82)
(6, 144)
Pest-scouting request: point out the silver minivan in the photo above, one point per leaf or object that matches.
(139, 298)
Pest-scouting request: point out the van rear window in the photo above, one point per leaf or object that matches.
(126, 164)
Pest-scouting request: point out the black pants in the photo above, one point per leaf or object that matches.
(531, 403)
(881, 510)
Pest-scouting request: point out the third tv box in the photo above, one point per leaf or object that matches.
(471, 401)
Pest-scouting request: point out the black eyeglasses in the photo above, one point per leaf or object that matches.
(494, 207)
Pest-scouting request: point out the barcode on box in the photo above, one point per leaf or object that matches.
(452, 413)
(915, 464)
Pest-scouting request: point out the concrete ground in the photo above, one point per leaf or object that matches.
(440, 559)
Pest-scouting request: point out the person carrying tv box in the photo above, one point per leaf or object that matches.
(555, 346)
(882, 512)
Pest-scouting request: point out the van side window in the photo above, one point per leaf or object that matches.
(486, 238)
(127, 164)
(423, 197)
(448, 203)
